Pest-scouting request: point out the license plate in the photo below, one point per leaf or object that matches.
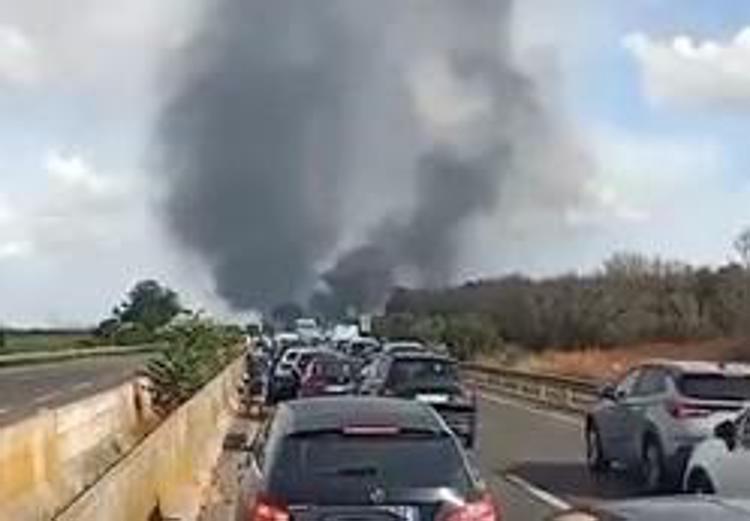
(337, 389)
(432, 398)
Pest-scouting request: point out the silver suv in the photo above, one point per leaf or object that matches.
(651, 420)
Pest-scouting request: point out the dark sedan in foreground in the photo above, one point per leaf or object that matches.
(353, 458)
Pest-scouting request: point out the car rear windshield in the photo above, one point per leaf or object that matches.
(421, 369)
(333, 368)
(333, 468)
(715, 387)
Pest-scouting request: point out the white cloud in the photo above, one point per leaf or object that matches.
(681, 70)
(19, 58)
(684, 185)
(88, 44)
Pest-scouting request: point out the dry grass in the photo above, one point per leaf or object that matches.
(608, 364)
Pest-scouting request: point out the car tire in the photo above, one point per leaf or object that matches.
(700, 483)
(595, 459)
(653, 470)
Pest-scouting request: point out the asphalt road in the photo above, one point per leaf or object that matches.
(534, 461)
(26, 389)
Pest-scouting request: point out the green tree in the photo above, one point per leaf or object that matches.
(150, 305)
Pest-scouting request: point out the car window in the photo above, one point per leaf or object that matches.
(743, 431)
(712, 386)
(651, 381)
(290, 356)
(332, 468)
(381, 369)
(626, 385)
(411, 370)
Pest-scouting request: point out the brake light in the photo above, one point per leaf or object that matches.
(371, 430)
(266, 509)
(481, 510)
(681, 410)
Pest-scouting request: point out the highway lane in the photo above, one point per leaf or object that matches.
(534, 461)
(26, 389)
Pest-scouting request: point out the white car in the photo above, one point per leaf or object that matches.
(721, 465)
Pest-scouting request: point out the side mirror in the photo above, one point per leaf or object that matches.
(609, 392)
(727, 431)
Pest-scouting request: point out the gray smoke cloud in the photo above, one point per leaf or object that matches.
(296, 127)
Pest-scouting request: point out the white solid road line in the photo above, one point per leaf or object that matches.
(562, 417)
(538, 493)
(47, 397)
(4, 411)
(83, 385)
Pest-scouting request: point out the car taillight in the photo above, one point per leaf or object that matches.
(265, 509)
(682, 410)
(482, 509)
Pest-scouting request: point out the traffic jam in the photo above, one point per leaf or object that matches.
(371, 429)
(361, 429)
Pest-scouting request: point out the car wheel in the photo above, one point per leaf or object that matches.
(594, 455)
(700, 483)
(652, 467)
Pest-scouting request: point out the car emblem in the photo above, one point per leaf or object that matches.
(377, 496)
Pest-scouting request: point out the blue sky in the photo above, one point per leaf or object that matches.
(663, 121)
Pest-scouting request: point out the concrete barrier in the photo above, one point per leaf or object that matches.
(46, 460)
(166, 474)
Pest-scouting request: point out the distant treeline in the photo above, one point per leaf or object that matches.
(632, 299)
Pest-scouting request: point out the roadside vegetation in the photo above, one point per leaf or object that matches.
(147, 309)
(195, 351)
(633, 300)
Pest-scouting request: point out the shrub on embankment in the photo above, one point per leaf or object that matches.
(196, 350)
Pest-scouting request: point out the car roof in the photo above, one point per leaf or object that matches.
(422, 355)
(400, 343)
(335, 413)
(701, 367)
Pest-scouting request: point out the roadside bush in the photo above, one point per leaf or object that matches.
(196, 350)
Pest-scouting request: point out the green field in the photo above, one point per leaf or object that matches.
(20, 342)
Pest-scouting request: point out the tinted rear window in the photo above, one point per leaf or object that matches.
(334, 368)
(411, 370)
(337, 469)
(715, 387)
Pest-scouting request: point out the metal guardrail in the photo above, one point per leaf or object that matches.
(558, 392)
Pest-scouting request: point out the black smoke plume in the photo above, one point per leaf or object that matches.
(289, 117)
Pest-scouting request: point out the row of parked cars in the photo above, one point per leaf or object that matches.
(363, 431)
